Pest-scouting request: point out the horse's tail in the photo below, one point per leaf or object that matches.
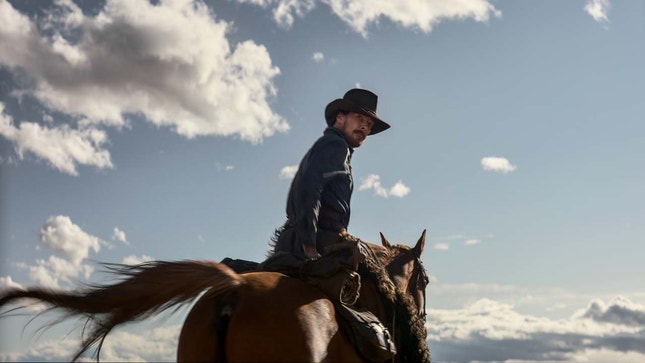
(146, 289)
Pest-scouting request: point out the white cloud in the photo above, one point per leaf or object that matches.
(65, 237)
(288, 172)
(7, 282)
(472, 242)
(467, 334)
(373, 181)
(500, 164)
(170, 63)
(598, 9)
(318, 57)
(136, 260)
(56, 272)
(399, 190)
(441, 246)
(359, 14)
(119, 235)
(73, 246)
(413, 14)
(157, 344)
(61, 146)
(222, 167)
(284, 10)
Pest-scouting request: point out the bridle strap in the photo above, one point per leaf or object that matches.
(422, 275)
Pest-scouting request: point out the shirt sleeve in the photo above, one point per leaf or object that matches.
(326, 161)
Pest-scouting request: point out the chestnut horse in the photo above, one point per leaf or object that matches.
(254, 316)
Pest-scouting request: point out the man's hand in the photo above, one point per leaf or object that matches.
(310, 251)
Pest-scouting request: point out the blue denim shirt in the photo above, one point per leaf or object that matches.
(324, 177)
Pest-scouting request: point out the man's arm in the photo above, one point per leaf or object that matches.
(326, 161)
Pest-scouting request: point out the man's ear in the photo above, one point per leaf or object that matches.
(340, 119)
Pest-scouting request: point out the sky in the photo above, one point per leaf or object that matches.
(133, 130)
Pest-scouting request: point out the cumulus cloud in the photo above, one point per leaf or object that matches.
(359, 14)
(169, 63)
(6, 282)
(68, 239)
(61, 146)
(119, 235)
(288, 172)
(499, 164)
(373, 181)
(72, 246)
(598, 9)
(413, 14)
(620, 311)
(285, 10)
(487, 330)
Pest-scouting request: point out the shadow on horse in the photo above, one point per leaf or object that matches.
(255, 316)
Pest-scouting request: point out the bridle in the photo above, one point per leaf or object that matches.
(418, 278)
(421, 283)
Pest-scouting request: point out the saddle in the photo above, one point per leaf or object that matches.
(335, 274)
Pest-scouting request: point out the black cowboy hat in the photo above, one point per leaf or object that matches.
(360, 101)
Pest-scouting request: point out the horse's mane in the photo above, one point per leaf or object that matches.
(413, 347)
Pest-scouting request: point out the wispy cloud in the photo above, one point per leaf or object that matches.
(136, 260)
(170, 63)
(442, 246)
(498, 164)
(288, 172)
(373, 182)
(222, 167)
(119, 235)
(472, 242)
(598, 9)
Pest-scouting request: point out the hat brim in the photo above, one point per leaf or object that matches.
(345, 105)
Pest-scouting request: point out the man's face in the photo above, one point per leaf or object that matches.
(355, 127)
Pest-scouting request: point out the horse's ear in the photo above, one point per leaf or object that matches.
(418, 248)
(384, 241)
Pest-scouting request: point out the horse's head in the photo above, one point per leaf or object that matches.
(407, 271)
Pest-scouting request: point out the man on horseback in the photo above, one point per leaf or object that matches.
(318, 205)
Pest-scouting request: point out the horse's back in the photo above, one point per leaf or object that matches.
(269, 318)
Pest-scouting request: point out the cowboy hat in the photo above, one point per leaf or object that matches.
(360, 101)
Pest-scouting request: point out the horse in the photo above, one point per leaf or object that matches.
(255, 316)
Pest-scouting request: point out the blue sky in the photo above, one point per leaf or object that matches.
(133, 131)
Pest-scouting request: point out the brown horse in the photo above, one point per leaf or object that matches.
(255, 316)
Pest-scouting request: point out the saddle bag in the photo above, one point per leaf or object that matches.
(366, 332)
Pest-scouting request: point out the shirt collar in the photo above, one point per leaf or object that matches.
(334, 131)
